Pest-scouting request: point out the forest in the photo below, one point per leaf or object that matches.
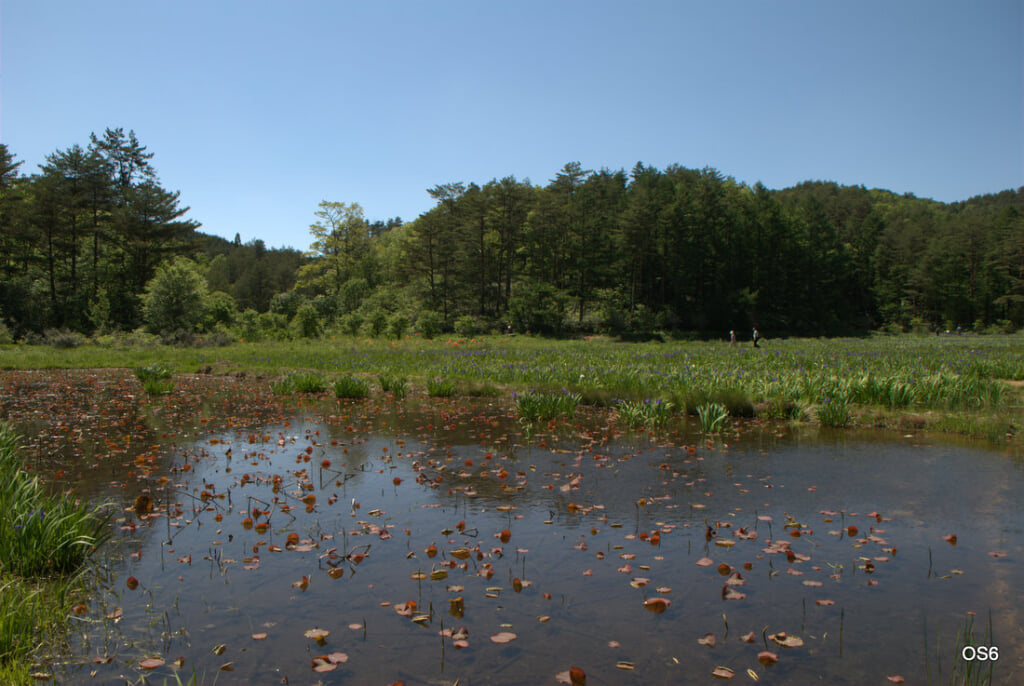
(92, 245)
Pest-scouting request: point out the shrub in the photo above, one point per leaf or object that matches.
(397, 325)
(467, 326)
(351, 323)
(429, 323)
(174, 297)
(64, 339)
(351, 387)
(376, 322)
(306, 322)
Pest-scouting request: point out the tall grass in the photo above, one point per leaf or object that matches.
(300, 382)
(440, 388)
(712, 417)
(397, 386)
(647, 413)
(41, 534)
(44, 539)
(533, 406)
(351, 387)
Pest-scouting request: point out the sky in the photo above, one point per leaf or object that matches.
(256, 111)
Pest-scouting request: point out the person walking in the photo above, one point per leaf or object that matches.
(732, 337)
(757, 337)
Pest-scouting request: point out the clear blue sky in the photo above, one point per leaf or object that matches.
(256, 111)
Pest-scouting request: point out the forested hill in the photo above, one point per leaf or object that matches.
(92, 243)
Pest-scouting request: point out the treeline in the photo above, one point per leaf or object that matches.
(92, 243)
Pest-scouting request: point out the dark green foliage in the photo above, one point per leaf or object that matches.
(644, 254)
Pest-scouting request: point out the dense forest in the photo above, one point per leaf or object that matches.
(93, 245)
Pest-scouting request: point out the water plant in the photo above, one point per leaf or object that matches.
(535, 406)
(712, 417)
(440, 388)
(153, 372)
(351, 387)
(397, 386)
(300, 382)
(834, 412)
(647, 413)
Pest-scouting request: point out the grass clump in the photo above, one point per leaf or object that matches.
(532, 406)
(834, 412)
(300, 382)
(44, 539)
(647, 413)
(153, 372)
(351, 387)
(440, 388)
(397, 386)
(712, 417)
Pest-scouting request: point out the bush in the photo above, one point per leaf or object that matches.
(174, 297)
(219, 309)
(306, 323)
(376, 322)
(63, 338)
(352, 323)
(397, 325)
(429, 323)
(467, 326)
(536, 307)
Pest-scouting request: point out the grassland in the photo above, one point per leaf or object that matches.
(964, 384)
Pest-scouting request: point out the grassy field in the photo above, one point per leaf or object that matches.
(964, 384)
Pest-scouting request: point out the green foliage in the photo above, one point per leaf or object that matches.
(352, 323)
(174, 298)
(351, 387)
(650, 414)
(533, 406)
(376, 322)
(536, 308)
(834, 412)
(41, 534)
(398, 324)
(300, 382)
(429, 324)
(219, 309)
(467, 326)
(306, 323)
(713, 417)
(398, 386)
(153, 372)
(440, 388)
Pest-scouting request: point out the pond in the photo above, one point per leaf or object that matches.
(262, 539)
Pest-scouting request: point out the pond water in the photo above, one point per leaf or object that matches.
(639, 559)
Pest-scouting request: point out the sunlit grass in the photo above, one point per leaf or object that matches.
(351, 387)
(926, 374)
(532, 406)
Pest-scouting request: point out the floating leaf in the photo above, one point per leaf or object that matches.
(503, 637)
(259, 637)
(707, 640)
(722, 673)
(767, 658)
(151, 662)
(657, 605)
(704, 562)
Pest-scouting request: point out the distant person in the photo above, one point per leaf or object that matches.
(732, 337)
(757, 337)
